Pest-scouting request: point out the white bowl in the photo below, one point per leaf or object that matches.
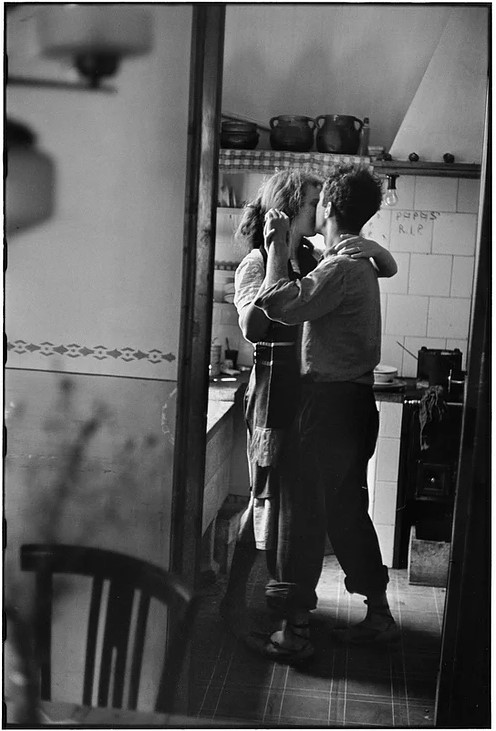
(385, 373)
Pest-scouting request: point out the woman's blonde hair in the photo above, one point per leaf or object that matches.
(284, 190)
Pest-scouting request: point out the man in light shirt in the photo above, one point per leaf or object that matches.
(339, 304)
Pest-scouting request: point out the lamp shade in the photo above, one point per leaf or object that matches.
(30, 180)
(72, 30)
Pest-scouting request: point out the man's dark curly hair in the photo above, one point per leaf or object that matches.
(355, 194)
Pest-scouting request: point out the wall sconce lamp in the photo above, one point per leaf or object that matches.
(391, 196)
(29, 179)
(94, 37)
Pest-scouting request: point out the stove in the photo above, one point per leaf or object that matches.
(426, 477)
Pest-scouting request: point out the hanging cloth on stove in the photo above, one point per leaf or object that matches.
(432, 409)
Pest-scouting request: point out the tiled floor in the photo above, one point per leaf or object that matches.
(351, 687)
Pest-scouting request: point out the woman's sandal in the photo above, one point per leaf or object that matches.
(264, 645)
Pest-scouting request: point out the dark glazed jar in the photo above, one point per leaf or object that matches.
(291, 133)
(337, 133)
(239, 135)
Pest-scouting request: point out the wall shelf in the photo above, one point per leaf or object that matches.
(268, 161)
(438, 169)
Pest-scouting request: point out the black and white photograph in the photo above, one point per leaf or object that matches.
(247, 365)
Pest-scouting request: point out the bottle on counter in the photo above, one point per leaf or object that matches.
(214, 368)
(363, 145)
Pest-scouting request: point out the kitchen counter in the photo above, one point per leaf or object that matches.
(224, 415)
(223, 391)
(398, 395)
(225, 388)
(411, 391)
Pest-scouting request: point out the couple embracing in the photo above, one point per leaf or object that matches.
(314, 320)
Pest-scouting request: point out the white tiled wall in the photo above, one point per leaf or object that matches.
(432, 235)
(382, 476)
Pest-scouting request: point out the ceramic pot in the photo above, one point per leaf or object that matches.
(239, 135)
(338, 133)
(291, 133)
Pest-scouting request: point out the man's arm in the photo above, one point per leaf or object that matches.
(293, 302)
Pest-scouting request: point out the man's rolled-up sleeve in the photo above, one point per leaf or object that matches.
(293, 302)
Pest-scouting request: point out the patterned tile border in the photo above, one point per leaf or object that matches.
(100, 352)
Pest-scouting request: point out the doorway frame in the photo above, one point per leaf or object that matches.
(205, 94)
(195, 334)
(463, 692)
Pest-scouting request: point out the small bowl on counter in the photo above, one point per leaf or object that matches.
(385, 373)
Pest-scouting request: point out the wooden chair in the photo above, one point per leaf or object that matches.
(125, 575)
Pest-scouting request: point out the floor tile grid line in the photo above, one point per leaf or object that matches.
(233, 652)
(441, 622)
(282, 695)
(346, 663)
(331, 687)
(251, 588)
(347, 695)
(212, 674)
(223, 645)
(392, 689)
(333, 666)
(371, 697)
(432, 596)
(403, 663)
(269, 692)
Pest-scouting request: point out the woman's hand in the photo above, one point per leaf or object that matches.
(276, 230)
(357, 248)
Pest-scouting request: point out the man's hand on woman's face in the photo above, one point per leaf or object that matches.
(276, 229)
(357, 247)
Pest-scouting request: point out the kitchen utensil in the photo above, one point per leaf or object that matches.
(456, 385)
(338, 133)
(408, 351)
(231, 357)
(435, 365)
(293, 133)
(214, 359)
(375, 150)
(384, 373)
(239, 135)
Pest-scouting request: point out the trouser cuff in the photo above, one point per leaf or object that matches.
(283, 597)
(368, 585)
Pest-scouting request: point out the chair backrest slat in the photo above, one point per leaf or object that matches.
(139, 646)
(126, 575)
(91, 639)
(115, 642)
